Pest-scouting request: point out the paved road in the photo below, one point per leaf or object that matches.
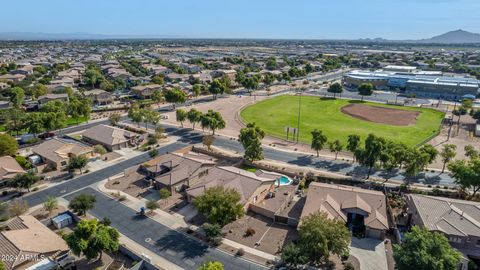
(59, 190)
(180, 249)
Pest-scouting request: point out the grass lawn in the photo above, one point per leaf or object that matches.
(73, 121)
(325, 114)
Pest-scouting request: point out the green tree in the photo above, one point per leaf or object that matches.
(431, 152)
(90, 238)
(93, 77)
(158, 79)
(14, 119)
(319, 236)
(50, 204)
(82, 203)
(335, 147)
(425, 250)
(175, 96)
(335, 88)
(365, 89)
(164, 193)
(250, 137)
(208, 140)
(211, 266)
(79, 107)
(353, 143)
(8, 145)
(39, 90)
(77, 163)
(212, 230)
(250, 83)
(24, 180)
(114, 119)
(448, 153)
(135, 114)
(181, 116)
(216, 87)
(157, 96)
(34, 122)
(369, 156)
(197, 90)
(470, 151)
(214, 121)
(466, 174)
(416, 161)
(194, 116)
(152, 205)
(318, 140)
(17, 95)
(293, 256)
(220, 206)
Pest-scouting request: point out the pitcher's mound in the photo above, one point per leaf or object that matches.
(381, 115)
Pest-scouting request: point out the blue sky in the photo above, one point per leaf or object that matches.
(313, 19)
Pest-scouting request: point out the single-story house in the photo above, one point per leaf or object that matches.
(361, 209)
(177, 171)
(459, 220)
(145, 91)
(9, 168)
(112, 138)
(50, 97)
(26, 242)
(12, 77)
(99, 96)
(57, 152)
(252, 188)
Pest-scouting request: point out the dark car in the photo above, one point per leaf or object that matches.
(46, 135)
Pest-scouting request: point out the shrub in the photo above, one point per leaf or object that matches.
(122, 198)
(22, 161)
(212, 230)
(240, 252)
(249, 232)
(164, 193)
(348, 266)
(153, 153)
(152, 140)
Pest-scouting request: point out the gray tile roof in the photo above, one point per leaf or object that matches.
(454, 217)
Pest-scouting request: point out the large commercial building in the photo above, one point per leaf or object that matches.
(421, 83)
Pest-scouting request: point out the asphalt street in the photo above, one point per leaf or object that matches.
(181, 249)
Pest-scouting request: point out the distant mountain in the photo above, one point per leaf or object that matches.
(73, 36)
(454, 37)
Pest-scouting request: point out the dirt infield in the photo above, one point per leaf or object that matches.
(381, 115)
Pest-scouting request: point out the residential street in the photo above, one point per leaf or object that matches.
(181, 249)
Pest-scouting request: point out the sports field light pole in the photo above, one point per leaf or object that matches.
(298, 121)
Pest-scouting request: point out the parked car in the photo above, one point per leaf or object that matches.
(46, 135)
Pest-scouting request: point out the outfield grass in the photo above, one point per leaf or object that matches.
(325, 114)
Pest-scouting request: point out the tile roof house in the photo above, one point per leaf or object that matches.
(145, 91)
(251, 187)
(458, 220)
(361, 209)
(99, 96)
(27, 241)
(56, 152)
(9, 167)
(177, 171)
(50, 97)
(112, 138)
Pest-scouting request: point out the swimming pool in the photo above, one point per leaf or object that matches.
(284, 180)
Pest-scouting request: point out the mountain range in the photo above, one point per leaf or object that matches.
(452, 37)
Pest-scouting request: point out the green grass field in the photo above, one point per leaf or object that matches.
(325, 114)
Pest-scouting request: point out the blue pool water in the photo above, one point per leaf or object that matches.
(284, 180)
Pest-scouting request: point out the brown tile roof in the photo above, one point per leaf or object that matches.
(108, 135)
(334, 200)
(245, 182)
(25, 235)
(182, 166)
(57, 149)
(9, 167)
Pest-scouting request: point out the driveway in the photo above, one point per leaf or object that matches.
(180, 249)
(370, 253)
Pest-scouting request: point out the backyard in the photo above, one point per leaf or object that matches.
(338, 118)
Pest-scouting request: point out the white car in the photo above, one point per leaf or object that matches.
(164, 117)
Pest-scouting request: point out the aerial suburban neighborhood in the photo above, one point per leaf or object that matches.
(144, 152)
